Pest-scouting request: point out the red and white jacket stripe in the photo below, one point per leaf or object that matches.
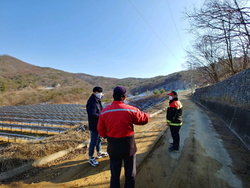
(117, 120)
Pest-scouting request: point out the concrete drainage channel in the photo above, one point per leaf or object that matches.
(49, 158)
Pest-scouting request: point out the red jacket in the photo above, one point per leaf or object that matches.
(116, 122)
(117, 119)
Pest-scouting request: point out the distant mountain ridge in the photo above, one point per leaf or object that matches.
(11, 67)
(17, 76)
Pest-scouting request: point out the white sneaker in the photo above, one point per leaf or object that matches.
(101, 154)
(93, 162)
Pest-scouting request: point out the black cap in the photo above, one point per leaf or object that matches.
(97, 89)
(119, 91)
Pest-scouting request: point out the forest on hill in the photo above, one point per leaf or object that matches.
(22, 83)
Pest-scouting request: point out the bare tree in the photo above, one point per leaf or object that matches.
(230, 27)
(204, 56)
(242, 21)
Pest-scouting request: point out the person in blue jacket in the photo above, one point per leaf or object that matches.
(94, 108)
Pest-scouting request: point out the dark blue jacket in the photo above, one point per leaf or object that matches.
(94, 108)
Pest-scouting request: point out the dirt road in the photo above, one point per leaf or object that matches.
(208, 157)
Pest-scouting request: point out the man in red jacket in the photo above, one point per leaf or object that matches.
(116, 123)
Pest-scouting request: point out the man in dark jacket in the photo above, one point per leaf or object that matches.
(174, 121)
(94, 107)
(116, 122)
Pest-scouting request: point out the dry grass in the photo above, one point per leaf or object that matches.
(17, 154)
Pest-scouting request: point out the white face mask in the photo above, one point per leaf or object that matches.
(170, 97)
(99, 95)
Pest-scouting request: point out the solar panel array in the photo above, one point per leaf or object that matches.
(16, 121)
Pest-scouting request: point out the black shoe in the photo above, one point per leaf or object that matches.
(172, 149)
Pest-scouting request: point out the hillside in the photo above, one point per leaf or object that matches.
(22, 83)
(16, 74)
(175, 81)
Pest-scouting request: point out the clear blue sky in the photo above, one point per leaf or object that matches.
(111, 38)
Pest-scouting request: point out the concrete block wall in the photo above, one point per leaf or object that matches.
(234, 90)
(237, 119)
(230, 100)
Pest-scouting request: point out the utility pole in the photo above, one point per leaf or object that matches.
(191, 77)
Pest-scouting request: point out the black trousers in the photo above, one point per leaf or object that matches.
(176, 136)
(130, 171)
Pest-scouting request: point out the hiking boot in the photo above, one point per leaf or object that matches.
(101, 154)
(172, 149)
(93, 162)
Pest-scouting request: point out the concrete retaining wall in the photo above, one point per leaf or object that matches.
(234, 90)
(237, 119)
(230, 100)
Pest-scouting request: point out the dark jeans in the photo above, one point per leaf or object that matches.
(130, 171)
(176, 136)
(95, 141)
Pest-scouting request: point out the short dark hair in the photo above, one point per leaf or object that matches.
(118, 97)
(97, 89)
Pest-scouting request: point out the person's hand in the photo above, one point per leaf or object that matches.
(167, 124)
